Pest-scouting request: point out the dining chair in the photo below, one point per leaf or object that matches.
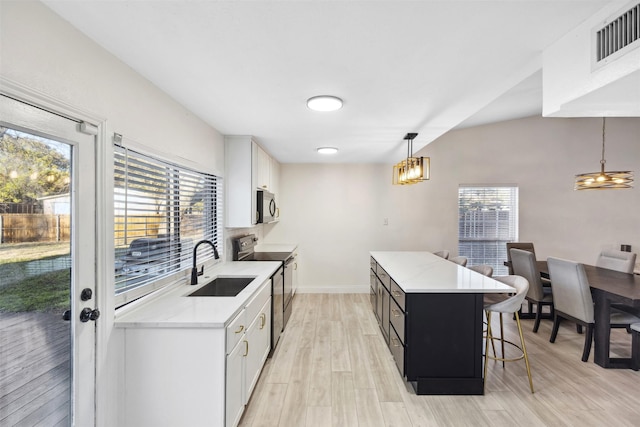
(617, 260)
(442, 254)
(525, 246)
(624, 262)
(524, 264)
(635, 346)
(572, 300)
(460, 260)
(509, 305)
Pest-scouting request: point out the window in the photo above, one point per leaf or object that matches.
(487, 220)
(161, 210)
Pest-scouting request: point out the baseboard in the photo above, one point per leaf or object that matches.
(333, 290)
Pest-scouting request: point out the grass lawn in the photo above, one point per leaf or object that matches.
(46, 292)
(22, 252)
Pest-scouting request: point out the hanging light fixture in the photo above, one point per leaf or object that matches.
(604, 180)
(411, 170)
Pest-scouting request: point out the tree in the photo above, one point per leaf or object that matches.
(31, 167)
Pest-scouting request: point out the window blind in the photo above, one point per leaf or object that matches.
(161, 210)
(487, 220)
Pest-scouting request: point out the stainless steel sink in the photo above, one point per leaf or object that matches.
(223, 287)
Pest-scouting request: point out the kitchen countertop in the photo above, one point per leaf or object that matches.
(424, 272)
(172, 308)
(275, 247)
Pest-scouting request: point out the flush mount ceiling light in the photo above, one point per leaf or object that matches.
(324, 103)
(411, 170)
(327, 150)
(604, 180)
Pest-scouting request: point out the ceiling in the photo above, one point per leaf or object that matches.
(248, 67)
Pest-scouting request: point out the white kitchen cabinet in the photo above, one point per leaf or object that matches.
(275, 177)
(247, 168)
(258, 340)
(234, 384)
(194, 375)
(241, 181)
(294, 276)
(250, 335)
(264, 170)
(268, 172)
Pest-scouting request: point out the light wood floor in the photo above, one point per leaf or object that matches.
(332, 368)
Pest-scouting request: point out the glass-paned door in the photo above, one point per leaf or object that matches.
(47, 247)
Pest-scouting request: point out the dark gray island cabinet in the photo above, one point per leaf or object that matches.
(430, 313)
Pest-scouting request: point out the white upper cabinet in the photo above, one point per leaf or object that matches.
(264, 170)
(268, 172)
(241, 178)
(248, 169)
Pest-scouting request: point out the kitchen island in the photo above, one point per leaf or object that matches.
(430, 311)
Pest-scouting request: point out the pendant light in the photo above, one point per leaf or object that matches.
(604, 180)
(411, 170)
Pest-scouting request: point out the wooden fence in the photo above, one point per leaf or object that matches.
(18, 228)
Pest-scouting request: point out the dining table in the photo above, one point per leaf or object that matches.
(607, 287)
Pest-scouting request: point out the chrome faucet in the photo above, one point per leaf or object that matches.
(194, 271)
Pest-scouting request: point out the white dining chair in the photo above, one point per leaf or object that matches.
(624, 262)
(617, 260)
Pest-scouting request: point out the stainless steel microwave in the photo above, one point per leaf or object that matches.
(267, 209)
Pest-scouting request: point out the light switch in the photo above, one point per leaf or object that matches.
(385, 221)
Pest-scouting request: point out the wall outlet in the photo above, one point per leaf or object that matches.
(385, 221)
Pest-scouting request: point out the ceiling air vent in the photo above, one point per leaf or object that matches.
(617, 33)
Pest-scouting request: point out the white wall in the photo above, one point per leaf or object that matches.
(335, 212)
(42, 55)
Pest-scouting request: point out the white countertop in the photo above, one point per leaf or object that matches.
(172, 308)
(424, 272)
(275, 247)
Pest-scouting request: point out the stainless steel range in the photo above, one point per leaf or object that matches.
(282, 281)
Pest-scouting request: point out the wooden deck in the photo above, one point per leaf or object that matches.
(34, 369)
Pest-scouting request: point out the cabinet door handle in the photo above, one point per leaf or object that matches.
(246, 349)
(395, 342)
(240, 329)
(395, 312)
(396, 294)
(263, 320)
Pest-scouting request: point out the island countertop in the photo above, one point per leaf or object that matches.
(173, 308)
(424, 272)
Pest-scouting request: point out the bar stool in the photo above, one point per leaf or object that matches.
(442, 254)
(460, 260)
(509, 305)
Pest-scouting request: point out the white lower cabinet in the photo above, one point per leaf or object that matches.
(251, 345)
(234, 384)
(258, 345)
(195, 376)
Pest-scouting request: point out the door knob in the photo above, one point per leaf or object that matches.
(66, 315)
(87, 314)
(86, 294)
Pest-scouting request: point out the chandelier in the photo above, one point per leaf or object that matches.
(604, 180)
(412, 169)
